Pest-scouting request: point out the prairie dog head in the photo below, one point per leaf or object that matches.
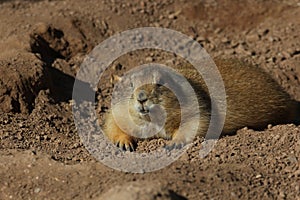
(146, 98)
(142, 104)
(153, 91)
(155, 94)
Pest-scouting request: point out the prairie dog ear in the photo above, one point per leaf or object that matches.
(133, 81)
(157, 78)
(163, 78)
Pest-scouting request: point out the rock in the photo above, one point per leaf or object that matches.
(149, 59)
(252, 37)
(174, 15)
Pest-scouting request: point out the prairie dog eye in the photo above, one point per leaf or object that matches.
(131, 85)
(158, 85)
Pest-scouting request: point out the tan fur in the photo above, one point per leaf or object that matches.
(254, 100)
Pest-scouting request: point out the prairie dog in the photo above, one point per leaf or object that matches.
(253, 98)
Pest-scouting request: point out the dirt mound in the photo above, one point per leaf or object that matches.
(21, 78)
(134, 191)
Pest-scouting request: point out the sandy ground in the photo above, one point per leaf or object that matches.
(42, 44)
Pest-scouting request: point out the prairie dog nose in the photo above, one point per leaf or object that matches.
(142, 96)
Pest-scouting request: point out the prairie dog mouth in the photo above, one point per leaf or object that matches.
(142, 110)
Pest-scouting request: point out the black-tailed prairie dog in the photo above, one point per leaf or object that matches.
(253, 98)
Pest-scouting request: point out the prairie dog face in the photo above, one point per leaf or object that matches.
(147, 96)
(150, 95)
